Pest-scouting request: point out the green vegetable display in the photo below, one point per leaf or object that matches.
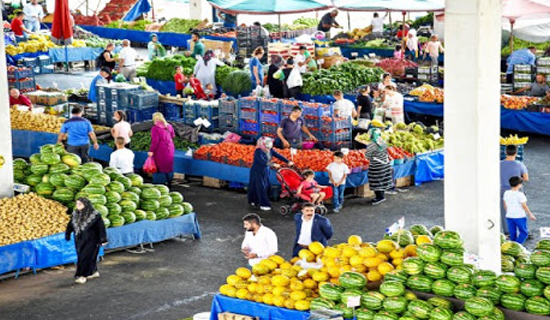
(522, 44)
(141, 141)
(138, 25)
(222, 73)
(180, 25)
(165, 68)
(298, 24)
(237, 82)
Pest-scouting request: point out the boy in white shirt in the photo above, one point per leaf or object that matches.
(122, 158)
(337, 174)
(343, 107)
(515, 204)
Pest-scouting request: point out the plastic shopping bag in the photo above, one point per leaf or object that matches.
(258, 92)
(150, 166)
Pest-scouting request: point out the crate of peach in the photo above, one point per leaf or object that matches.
(516, 102)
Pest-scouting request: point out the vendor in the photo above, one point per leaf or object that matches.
(205, 70)
(263, 31)
(101, 78)
(537, 88)
(19, 28)
(289, 133)
(377, 24)
(127, 61)
(304, 60)
(106, 58)
(155, 48)
(17, 99)
(328, 21)
(229, 20)
(274, 82)
(198, 48)
(523, 56)
(34, 13)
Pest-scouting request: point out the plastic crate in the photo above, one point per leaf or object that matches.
(171, 111)
(315, 109)
(108, 105)
(268, 129)
(142, 100)
(312, 123)
(228, 106)
(140, 115)
(332, 136)
(43, 61)
(209, 112)
(20, 74)
(337, 145)
(520, 155)
(336, 124)
(245, 103)
(248, 126)
(214, 125)
(287, 106)
(47, 69)
(24, 85)
(269, 117)
(269, 105)
(105, 118)
(248, 115)
(28, 62)
(227, 121)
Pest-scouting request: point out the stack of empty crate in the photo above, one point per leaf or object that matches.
(22, 78)
(117, 96)
(249, 117)
(312, 112)
(209, 110)
(44, 65)
(228, 115)
(270, 117)
(171, 107)
(335, 133)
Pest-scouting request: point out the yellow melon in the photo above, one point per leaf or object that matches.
(356, 260)
(355, 240)
(268, 299)
(270, 264)
(252, 287)
(290, 273)
(386, 246)
(243, 273)
(278, 291)
(360, 268)
(374, 275)
(294, 260)
(233, 279)
(306, 255)
(277, 259)
(410, 250)
(320, 276)
(264, 280)
(316, 247)
(241, 294)
(280, 281)
(298, 295)
(397, 262)
(231, 291)
(310, 284)
(258, 298)
(285, 266)
(331, 252)
(279, 301)
(289, 304)
(349, 252)
(373, 262)
(297, 286)
(302, 305)
(260, 269)
(385, 267)
(382, 257)
(423, 239)
(334, 272)
(241, 285)
(368, 252)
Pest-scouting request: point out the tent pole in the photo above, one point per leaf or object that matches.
(512, 36)
(389, 15)
(153, 10)
(403, 38)
(87, 8)
(280, 29)
(349, 22)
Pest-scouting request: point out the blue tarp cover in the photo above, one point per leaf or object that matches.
(58, 55)
(222, 304)
(391, 5)
(164, 87)
(429, 167)
(17, 256)
(137, 10)
(270, 7)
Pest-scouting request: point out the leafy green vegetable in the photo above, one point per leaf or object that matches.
(164, 68)
(237, 82)
(141, 141)
(137, 25)
(522, 44)
(298, 24)
(222, 72)
(180, 25)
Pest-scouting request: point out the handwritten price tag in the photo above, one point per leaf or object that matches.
(545, 232)
(473, 259)
(437, 136)
(354, 301)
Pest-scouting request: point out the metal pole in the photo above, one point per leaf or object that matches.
(6, 154)
(403, 38)
(349, 22)
(512, 36)
(87, 14)
(153, 10)
(280, 29)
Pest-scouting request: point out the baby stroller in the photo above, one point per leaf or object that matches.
(290, 179)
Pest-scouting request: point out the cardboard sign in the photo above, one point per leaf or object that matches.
(354, 301)
(345, 151)
(437, 136)
(293, 151)
(473, 259)
(354, 54)
(545, 232)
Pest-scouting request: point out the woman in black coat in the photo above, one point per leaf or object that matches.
(89, 236)
(275, 85)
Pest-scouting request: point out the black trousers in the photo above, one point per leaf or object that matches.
(380, 195)
(82, 151)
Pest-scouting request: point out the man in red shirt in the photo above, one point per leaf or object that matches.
(18, 27)
(17, 99)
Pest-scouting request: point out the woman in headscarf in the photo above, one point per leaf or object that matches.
(258, 186)
(89, 236)
(162, 149)
(380, 172)
(412, 45)
(205, 70)
(273, 81)
(156, 50)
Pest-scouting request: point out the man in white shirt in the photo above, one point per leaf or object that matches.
(259, 242)
(378, 25)
(343, 107)
(122, 158)
(310, 227)
(127, 61)
(34, 13)
(301, 60)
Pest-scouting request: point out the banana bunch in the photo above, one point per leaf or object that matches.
(79, 43)
(26, 120)
(513, 140)
(13, 50)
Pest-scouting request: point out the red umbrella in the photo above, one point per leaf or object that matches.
(62, 28)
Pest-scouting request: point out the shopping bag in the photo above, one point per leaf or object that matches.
(294, 79)
(149, 166)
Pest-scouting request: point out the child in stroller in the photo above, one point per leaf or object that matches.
(310, 188)
(291, 180)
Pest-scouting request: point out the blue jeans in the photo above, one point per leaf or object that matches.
(33, 26)
(518, 229)
(338, 196)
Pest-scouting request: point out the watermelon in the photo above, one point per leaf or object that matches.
(39, 169)
(136, 179)
(372, 300)
(513, 301)
(19, 175)
(351, 280)
(112, 197)
(115, 186)
(440, 313)
(463, 315)
(507, 263)
(395, 304)
(106, 222)
(543, 244)
(512, 248)
(47, 148)
(149, 205)
(420, 309)
(413, 266)
(101, 179)
(150, 194)
(151, 216)
(409, 295)
(443, 287)
(128, 206)
(129, 217)
(525, 271)
(35, 159)
(404, 236)
(20, 164)
(164, 190)
(75, 181)
(491, 293)
(97, 199)
(464, 291)
(177, 198)
(479, 306)
(175, 210)
(77, 171)
(420, 283)
(63, 195)
(70, 159)
(448, 240)
(146, 186)
(396, 275)
(58, 179)
(484, 278)
(543, 275)
(94, 189)
(321, 303)
(187, 207)
(538, 305)
(460, 275)
(103, 211)
(80, 195)
(540, 258)
(44, 188)
(60, 168)
(135, 190)
(50, 158)
(113, 173)
(546, 292)
(140, 215)
(392, 288)
(347, 313)
(33, 180)
(46, 178)
(420, 230)
(127, 195)
(126, 182)
(452, 257)
(59, 148)
(362, 313)
(165, 200)
(498, 314)
(440, 302)
(92, 165)
(113, 208)
(523, 258)
(350, 293)
(89, 173)
(531, 287)
(331, 291)
(508, 284)
(429, 252)
(116, 220)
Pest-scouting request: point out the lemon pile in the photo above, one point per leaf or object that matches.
(513, 139)
(38, 42)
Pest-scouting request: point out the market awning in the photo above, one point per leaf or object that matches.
(270, 6)
(390, 5)
(141, 7)
(538, 34)
(525, 9)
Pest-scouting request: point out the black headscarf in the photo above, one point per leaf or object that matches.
(82, 219)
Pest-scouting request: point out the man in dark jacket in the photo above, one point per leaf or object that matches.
(310, 227)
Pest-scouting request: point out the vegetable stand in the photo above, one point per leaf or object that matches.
(347, 51)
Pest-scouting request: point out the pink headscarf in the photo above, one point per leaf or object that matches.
(265, 144)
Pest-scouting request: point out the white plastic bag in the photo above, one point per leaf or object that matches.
(258, 91)
(294, 79)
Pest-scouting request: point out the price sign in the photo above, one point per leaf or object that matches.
(354, 54)
(345, 151)
(401, 222)
(545, 232)
(473, 259)
(293, 151)
(437, 136)
(354, 301)
(320, 61)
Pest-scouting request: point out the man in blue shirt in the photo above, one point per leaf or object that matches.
(101, 78)
(79, 132)
(510, 167)
(523, 56)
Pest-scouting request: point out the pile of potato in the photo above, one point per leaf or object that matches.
(26, 120)
(29, 216)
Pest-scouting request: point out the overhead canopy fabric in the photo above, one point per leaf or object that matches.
(539, 33)
(525, 9)
(141, 7)
(270, 6)
(390, 5)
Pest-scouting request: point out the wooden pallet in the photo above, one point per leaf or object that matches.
(213, 183)
(404, 182)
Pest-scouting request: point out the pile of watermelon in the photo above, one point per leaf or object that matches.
(55, 174)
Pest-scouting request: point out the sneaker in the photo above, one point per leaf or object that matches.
(94, 275)
(253, 204)
(391, 192)
(265, 208)
(336, 210)
(377, 202)
(402, 190)
(80, 280)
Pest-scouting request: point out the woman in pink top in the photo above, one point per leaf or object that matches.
(122, 128)
(162, 149)
(433, 48)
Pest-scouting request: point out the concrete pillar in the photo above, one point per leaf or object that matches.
(472, 125)
(200, 9)
(6, 170)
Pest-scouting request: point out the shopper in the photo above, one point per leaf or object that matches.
(106, 58)
(364, 103)
(327, 22)
(343, 108)
(34, 13)
(205, 69)
(101, 78)
(510, 167)
(162, 149)
(229, 20)
(522, 56)
(275, 84)
(289, 133)
(377, 24)
(337, 174)
(256, 68)
(433, 48)
(311, 189)
(19, 29)
(180, 80)
(122, 128)
(537, 88)
(398, 52)
(412, 45)
(264, 34)
(122, 158)
(379, 174)
(386, 81)
(258, 186)
(394, 104)
(79, 131)
(515, 204)
(198, 47)
(155, 48)
(17, 99)
(292, 80)
(127, 61)
(89, 235)
(310, 227)
(259, 242)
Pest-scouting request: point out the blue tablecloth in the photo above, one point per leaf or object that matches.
(17, 256)
(58, 55)
(222, 304)
(429, 167)
(385, 53)
(166, 38)
(164, 87)
(429, 109)
(25, 143)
